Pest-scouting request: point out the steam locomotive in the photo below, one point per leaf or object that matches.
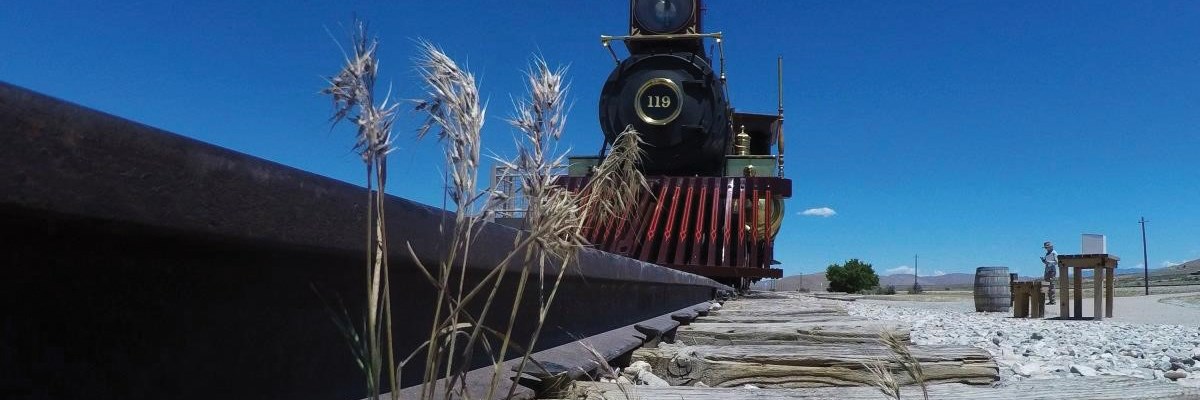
(715, 199)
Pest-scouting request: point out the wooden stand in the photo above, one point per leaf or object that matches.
(1103, 266)
(1028, 300)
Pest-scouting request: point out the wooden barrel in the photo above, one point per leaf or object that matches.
(992, 292)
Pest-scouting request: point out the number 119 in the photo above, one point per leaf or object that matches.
(658, 101)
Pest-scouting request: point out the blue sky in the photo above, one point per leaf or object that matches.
(964, 131)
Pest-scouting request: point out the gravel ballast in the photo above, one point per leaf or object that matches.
(1032, 349)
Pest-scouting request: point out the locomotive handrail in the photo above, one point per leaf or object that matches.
(607, 38)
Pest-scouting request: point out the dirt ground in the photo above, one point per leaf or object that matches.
(929, 296)
(1192, 301)
(960, 295)
(1155, 309)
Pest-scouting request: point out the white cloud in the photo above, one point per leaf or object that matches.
(1170, 263)
(819, 212)
(904, 269)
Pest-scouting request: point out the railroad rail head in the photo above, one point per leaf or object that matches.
(175, 268)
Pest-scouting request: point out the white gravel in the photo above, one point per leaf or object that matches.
(1028, 349)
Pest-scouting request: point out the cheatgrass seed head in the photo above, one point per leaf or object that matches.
(618, 181)
(453, 109)
(352, 90)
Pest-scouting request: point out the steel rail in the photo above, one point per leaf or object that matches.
(174, 268)
(552, 370)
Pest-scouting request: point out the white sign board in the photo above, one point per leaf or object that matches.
(1094, 244)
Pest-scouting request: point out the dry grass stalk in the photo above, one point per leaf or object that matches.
(902, 357)
(616, 183)
(551, 211)
(353, 93)
(454, 110)
(552, 215)
(883, 379)
(604, 370)
(554, 218)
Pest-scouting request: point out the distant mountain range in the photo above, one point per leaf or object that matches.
(955, 279)
(1121, 271)
(817, 281)
(1187, 268)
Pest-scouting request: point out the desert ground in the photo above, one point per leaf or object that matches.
(1149, 337)
(968, 295)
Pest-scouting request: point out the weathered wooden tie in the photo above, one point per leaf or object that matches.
(837, 296)
(837, 330)
(1097, 388)
(782, 311)
(777, 307)
(795, 366)
(770, 319)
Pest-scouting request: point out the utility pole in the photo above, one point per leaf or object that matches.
(914, 272)
(1145, 260)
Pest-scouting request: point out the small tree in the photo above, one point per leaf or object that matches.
(852, 277)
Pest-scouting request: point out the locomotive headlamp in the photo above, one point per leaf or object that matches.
(663, 16)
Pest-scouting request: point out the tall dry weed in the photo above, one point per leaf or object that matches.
(454, 111)
(554, 217)
(544, 249)
(552, 214)
(354, 98)
(617, 181)
(904, 359)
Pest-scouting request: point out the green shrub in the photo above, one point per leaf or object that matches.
(854, 276)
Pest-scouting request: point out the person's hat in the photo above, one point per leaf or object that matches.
(1047, 244)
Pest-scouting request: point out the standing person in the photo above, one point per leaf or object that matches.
(1050, 260)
